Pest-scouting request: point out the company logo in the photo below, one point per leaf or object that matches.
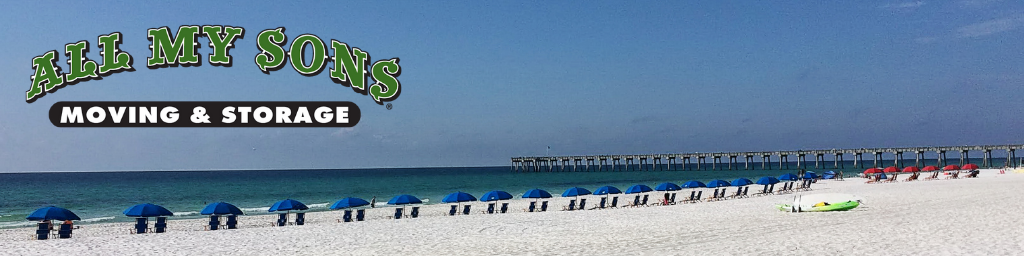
(348, 66)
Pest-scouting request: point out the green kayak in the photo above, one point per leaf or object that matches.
(823, 207)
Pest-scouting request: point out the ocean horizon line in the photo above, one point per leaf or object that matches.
(242, 169)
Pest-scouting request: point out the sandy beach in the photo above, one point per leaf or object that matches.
(939, 217)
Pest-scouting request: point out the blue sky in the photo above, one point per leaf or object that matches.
(483, 82)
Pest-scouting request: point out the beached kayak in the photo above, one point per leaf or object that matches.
(822, 207)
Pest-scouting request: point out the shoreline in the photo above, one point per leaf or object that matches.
(904, 211)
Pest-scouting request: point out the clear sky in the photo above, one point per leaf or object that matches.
(482, 82)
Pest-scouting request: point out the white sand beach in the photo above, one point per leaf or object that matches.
(979, 216)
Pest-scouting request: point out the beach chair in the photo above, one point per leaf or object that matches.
(636, 201)
(544, 206)
(455, 208)
(713, 197)
(490, 209)
(140, 226)
(699, 194)
(739, 191)
(600, 205)
(360, 214)
(232, 221)
(893, 178)
(955, 175)
(398, 213)
(672, 200)
(533, 206)
(282, 219)
(583, 204)
(64, 231)
(465, 209)
(615, 202)
(214, 222)
(664, 200)
(43, 232)
(571, 206)
(644, 202)
(693, 195)
(935, 175)
(745, 190)
(161, 224)
(347, 217)
(415, 212)
(504, 207)
(300, 218)
(770, 188)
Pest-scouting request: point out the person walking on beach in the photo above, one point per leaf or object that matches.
(373, 202)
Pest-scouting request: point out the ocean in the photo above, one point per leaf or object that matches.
(103, 196)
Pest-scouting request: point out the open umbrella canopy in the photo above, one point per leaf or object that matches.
(404, 199)
(52, 213)
(638, 188)
(891, 169)
(929, 168)
(607, 190)
(458, 197)
(951, 167)
(575, 191)
(741, 182)
(970, 167)
(872, 171)
(221, 208)
(536, 193)
(288, 205)
(810, 175)
(497, 195)
(349, 202)
(147, 210)
(694, 184)
(911, 169)
(667, 186)
(788, 176)
(767, 180)
(718, 183)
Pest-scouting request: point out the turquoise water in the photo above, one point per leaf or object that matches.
(102, 196)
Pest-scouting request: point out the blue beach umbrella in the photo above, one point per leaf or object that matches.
(288, 205)
(741, 182)
(607, 190)
(536, 193)
(694, 184)
(667, 186)
(788, 176)
(349, 202)
(147, 210)
(575, 191)
(52, 213)
(718, 183)
(221, 208)
(404, 199)
(495, 196)
(810, 175)
(767, 180)
(458, 197)
(638, 188)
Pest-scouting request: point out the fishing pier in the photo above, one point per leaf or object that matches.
(730, 160)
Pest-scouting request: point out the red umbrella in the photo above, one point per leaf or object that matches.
(872, 171)
(929, 168)
(911, 169)
(951, 167)
(970, 167)
(891, 169)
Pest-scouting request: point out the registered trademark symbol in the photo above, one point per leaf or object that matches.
(388, 106)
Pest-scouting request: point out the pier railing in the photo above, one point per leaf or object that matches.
(684, 161)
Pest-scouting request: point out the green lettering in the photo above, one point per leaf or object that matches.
(221, 40)
(387, 87)
(351, 70)
(47, 78)
(166, 53)
(299, 48)
(81, 67)
(113, 59)
(272, 55)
